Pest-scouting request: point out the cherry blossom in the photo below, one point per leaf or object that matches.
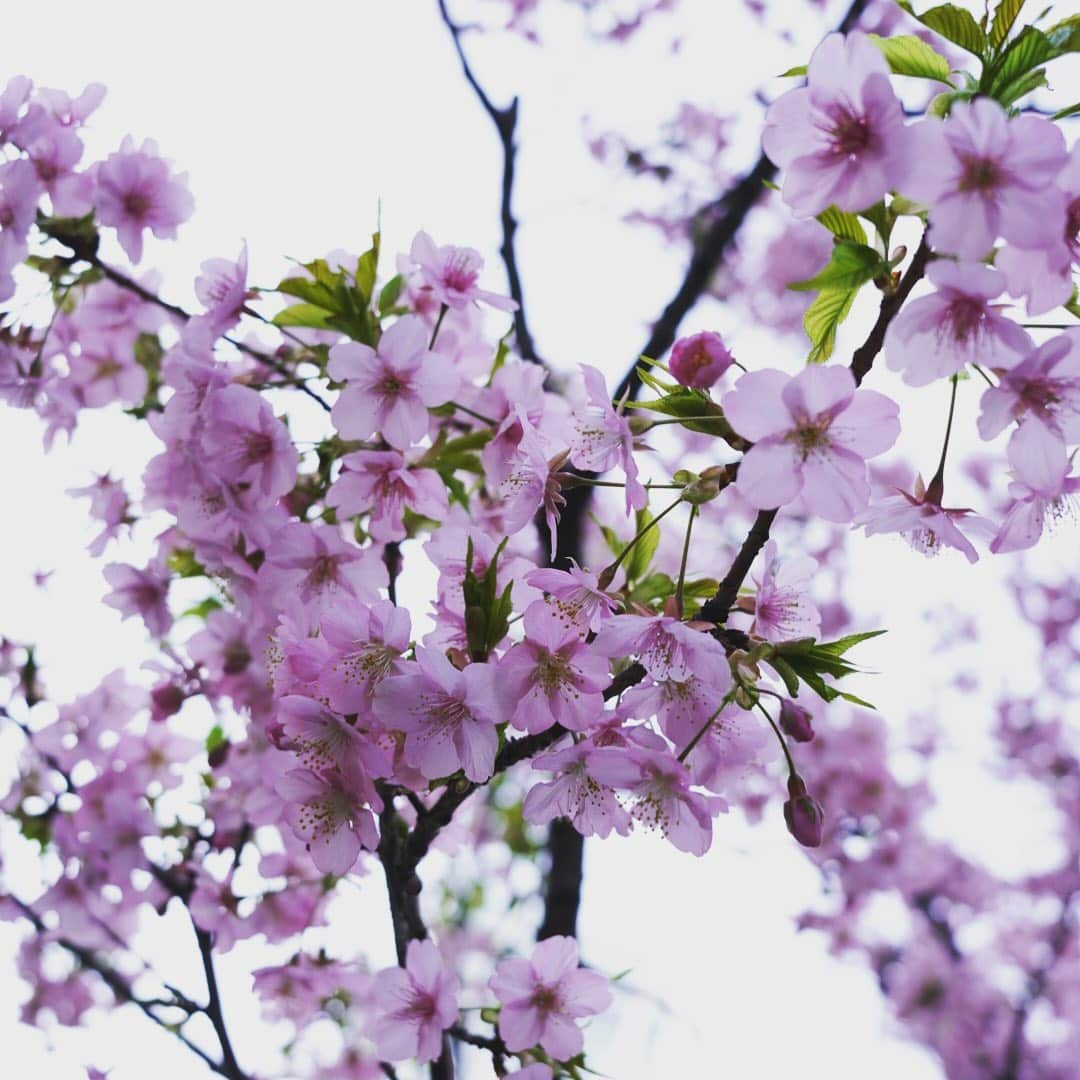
(543, 996)
(812, 434)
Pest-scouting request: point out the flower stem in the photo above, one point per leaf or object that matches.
(936, 488)
(438, 326)
(704, 728)
(685, 556)
(608, 572)
(779, 734)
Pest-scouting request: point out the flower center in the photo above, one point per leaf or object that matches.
(980, 174)
(459, 273)
(811, 435)
(1072, 226)
(136, 205)
(966, 315)
(851, 134)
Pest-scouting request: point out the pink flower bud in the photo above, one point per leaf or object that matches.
(699, 360)
(795, 721)
(803, 814)
(165, 700)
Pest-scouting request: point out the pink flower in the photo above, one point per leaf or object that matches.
(543, 996)
(141, 592)
(448, 716)
(668, 648)
(783, 610)
(221, 288)
(663, 799)
(553, 677)
(450, 274)
(1041, 487)
(320, 565)
(699, 360)
(414, 1005)
(20, 190)
(379, 482)
(246, 443)
(368, 642)
(1044, 388)
(574, 793)
(388, 392)
(1044, 274)
(134, 191)
(602, 438)
(683, 705)
(940, 334)
(985, 175)
(923, 522)
(812, 434)
(840, 139)
(325, 811)
(573, 598)
(104, 370)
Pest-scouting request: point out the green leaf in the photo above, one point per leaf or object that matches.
(798, 69)
(956, 24)
(367, 267)
(389, 293)
(1023, 84)
(823, 317)
(685, 402)
(487, 613)
(637, 565)
(843, 225)
(841, 645)
(1065, 35)
(1031, 49)
(215, 738)
(851, 265)
(1070, 110)
(310, 315)
(203, 608)
(653, 587)
(182, 563)
(1004, 16)
(909, 55)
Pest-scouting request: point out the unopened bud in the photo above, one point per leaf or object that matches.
(165, 700)
(803, 814)
(607, 576)
(699, 360)
(639, 425)
(702, 490)
(795, 721)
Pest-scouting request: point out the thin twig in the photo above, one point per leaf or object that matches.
(505, 121)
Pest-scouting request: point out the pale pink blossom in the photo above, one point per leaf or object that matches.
(783, 610)
(940, 334)
(367, 642)
(1041, 489)
(662, 797)
(414, 1005)
(985, 174)
(543, 996)
(667, 647)
(924, 523)
(602, 439)
(450, 274)
(553, 677)
(1044, 388)
(812, 434)
(379, 482)
(840, 139)
(325, 811)
(573, 598)
(221, 288)
(135, 191)
(448, 716)
(388, 391)
(141, 592)
(574, 793)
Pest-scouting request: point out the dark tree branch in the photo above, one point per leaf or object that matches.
(215, 1014)
(122, 991)
(725, 217)
(863, 358)
(505, 121)
(716, 608)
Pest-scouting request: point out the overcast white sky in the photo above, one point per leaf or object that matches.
(296, 122)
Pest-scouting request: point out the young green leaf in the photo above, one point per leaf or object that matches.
(842, 225)
(1004, 16)
(909, 55)
(851, 265)
(954, 23)
(823, 317)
